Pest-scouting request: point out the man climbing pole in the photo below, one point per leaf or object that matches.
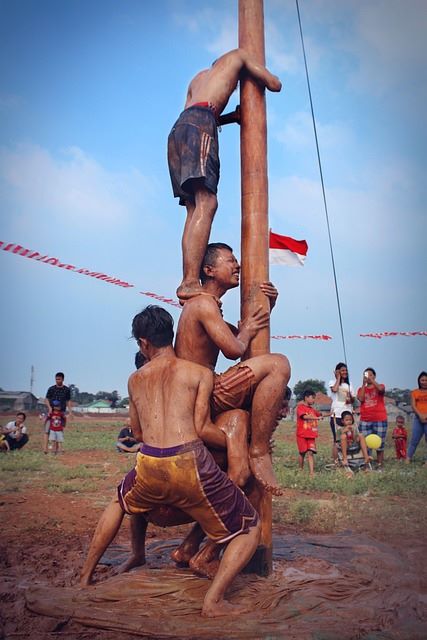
(193, 153)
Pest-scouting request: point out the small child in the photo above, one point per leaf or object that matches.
(400, 436)
(307, 431)
(349, 433)
(56, 421)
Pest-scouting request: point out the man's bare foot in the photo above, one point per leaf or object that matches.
(213, 609)
(206, 561)
(262, 469)
(85, 580)
(188, 547)
(187, 290)
(131, 563)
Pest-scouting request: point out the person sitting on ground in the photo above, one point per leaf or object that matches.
(307, 430)
(15, 433)
(193, 156)
(126, 441)
(169, 411)
(56, 421)
(400, 437)
(349, 434)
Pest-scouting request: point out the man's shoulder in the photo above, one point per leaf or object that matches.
(200, 303)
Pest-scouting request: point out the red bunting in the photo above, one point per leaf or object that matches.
(388, 334)
(17, 249)
(320, 337)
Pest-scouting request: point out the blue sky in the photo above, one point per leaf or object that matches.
(89, 92)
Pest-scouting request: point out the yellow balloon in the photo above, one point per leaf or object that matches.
(373, 441)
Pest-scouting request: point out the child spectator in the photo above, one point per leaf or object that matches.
(348, 435)
(343, 398)
(56, 421)
(400, 436)
(15, 433)
(307, 431)
(419, 406)
(126, 440)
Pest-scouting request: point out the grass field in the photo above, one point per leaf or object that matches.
(31, 467)
(326, 502)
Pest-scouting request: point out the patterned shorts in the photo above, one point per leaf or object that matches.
(193, 152)
(233, 389)
(187, 477)
(379, 428)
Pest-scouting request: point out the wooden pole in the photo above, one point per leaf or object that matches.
(254, 232)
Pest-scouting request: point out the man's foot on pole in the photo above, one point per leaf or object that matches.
(262, 468)
(188, 289)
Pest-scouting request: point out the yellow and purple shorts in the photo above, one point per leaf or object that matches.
(187, 477)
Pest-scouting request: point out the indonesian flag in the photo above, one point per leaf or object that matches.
(285, 250)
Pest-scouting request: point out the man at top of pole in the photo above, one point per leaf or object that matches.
(193, 153)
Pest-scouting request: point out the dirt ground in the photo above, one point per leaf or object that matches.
(45, 535)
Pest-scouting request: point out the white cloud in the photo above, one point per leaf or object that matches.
(219, 30)
(71, 186)
(298, 133)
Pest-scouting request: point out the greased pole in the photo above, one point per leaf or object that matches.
(254, 232)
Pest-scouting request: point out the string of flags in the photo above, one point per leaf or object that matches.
(276, 243)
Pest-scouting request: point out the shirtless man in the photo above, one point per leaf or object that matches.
(169, 411)
(257, 383)
(193, 153)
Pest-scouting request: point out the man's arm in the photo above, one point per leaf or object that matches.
(205, 429)
(231, 346)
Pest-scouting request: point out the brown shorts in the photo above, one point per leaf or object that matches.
(193, 152)
(187, 477)
(233, 389)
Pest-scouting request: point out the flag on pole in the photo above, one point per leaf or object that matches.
(286, 250)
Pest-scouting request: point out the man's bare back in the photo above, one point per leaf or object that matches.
(164, 414)
(215, 85)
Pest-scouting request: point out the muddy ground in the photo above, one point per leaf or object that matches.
(45, 535)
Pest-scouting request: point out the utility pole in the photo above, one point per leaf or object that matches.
(32, 379)
(254, 231)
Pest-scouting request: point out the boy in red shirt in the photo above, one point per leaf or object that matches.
(400, 436)
(56, 421)
(307, 431)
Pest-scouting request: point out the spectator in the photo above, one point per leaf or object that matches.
(349, 434)
(400, 437)
(342, 395)
(307, 430)
(419, 424)
(59, 391)
(373, 414)
(15, 433)
(126, 440)
(56, 421)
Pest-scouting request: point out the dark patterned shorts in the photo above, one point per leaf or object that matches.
(193, 152)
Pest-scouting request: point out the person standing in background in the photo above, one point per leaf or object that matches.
(342, 395)
(58, 391)
(373, 414)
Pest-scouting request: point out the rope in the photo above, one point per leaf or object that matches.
(323, 187)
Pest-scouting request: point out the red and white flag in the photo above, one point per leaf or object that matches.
(285, 250)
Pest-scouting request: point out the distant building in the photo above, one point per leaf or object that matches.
(100, 406)
(17, 401)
